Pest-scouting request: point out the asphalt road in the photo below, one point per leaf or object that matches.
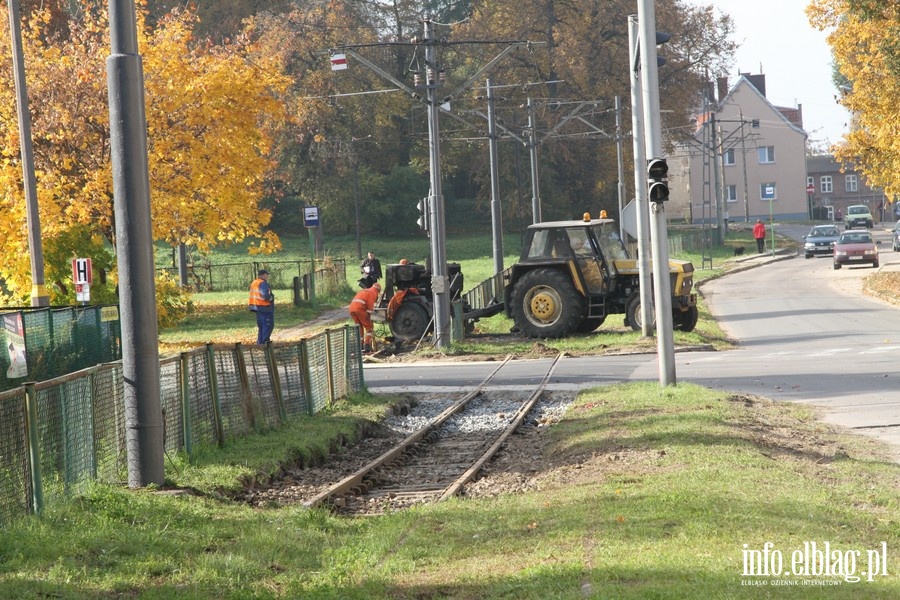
(806, 333)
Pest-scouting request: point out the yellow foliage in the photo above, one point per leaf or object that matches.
(211, 112)
(866, 54)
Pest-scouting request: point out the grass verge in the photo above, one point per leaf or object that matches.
(640, 492)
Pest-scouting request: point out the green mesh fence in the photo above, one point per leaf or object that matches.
(293, 379)
(15, 482)
(259, 376)
(44, 343)
(201, 401)
(237, 418)
(207, 396)
(317, 354)
(66, 436)
(108, 397)
(170, 400)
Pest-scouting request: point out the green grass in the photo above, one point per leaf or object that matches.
(654, 494)
(223, 317)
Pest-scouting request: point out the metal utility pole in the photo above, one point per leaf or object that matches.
(620, 173)
(640, 183)
(496, 212)
(532, 148)
(39, 296)
(715, 152)
(662, 286)
(134, 250)
(439, 281)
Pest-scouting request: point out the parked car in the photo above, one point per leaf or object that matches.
(857, 216)
(895, 237)
(855, 246)
(820, 240)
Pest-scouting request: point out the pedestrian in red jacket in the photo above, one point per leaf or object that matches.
(759, 232)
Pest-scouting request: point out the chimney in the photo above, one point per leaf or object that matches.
(722, 83)
(758, 81)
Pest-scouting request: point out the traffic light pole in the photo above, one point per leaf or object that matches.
(640, 184)
(662, 286)
(496, 213)
(439, 283)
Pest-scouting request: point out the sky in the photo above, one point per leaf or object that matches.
(795, 58)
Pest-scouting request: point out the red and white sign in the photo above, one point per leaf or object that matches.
(338, 62)
(81, 271)
(810, 189)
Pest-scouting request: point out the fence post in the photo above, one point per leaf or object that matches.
(307, 384)
(214, 389)
(185, 404)
(34, 455)
(276, 382)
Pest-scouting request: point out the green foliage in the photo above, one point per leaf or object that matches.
(78, 241)
(173, 302)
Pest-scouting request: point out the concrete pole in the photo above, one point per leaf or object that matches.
(496, 212)
(662, 286)
(716, 152)
(640, 185)
(39, 296)
(532, 147)
(134, 250)
(439, 280)
(620, 161)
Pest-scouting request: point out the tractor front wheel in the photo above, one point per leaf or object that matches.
(633, 313)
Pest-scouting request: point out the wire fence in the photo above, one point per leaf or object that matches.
(42, 343)
(57, 435)
(233, 277)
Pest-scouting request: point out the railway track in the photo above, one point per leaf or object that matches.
(436, 461)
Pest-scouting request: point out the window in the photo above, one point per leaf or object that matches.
(766, 154)
(767, 191)
(728, 157)
(826, 185)
(850, 183)
(731, 193)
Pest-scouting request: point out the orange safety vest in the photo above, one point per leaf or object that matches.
(256, 297)
(365, 298)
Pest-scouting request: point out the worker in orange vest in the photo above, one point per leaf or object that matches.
(262, 302)
(360, 309)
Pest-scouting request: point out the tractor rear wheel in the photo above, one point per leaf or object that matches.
(545, 304)
(410, 322)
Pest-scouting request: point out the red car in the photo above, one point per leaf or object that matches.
(855, 246)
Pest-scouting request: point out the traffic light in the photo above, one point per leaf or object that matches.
(661, 38)
(423, 214)
(657, 170)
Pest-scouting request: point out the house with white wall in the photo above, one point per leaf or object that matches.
(746, 159)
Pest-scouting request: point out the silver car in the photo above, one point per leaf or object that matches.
(820, 240)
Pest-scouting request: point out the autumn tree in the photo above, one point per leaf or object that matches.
(584, 58)
(864, 43)
(210, 111)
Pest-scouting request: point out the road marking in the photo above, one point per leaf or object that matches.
(832, 352)
(881, 350)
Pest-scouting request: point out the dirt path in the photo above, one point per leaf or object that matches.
(323, 321)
